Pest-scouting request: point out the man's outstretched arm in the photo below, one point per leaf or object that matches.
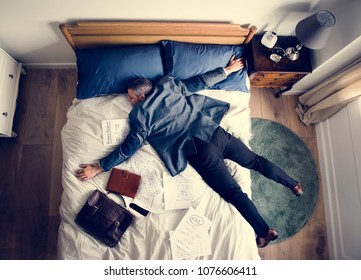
(125, 150)
(210, 78)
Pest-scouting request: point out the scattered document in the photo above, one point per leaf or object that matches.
(115, 131)
(150, 192)
(176, 192)
(191, 237)
(149, 197)
(177, 252)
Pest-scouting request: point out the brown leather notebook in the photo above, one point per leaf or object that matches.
(123, 182)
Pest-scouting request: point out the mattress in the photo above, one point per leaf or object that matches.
(228, 236)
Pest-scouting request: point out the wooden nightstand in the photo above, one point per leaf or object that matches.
(265, 73)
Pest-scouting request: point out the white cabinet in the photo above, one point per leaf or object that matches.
(10, 71)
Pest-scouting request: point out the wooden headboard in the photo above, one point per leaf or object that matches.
(92, 34)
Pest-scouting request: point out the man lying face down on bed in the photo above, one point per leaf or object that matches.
(182, 127)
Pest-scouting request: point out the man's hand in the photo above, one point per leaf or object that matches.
(234, 65)
(88, 171)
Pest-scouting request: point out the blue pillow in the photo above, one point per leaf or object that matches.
(186, 60)
(104, 71)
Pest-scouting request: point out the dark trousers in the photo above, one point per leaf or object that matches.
(209, 163)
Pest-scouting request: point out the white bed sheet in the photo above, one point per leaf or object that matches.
(148, 237)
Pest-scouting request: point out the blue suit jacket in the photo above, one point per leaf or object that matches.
(169, 118)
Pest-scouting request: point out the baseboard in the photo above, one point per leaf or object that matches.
(69, 65)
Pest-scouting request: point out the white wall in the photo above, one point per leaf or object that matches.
(343, 47)
(29, 29)
(346, 30)
(338, 140)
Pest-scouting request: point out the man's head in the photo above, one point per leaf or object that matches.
(138, 89)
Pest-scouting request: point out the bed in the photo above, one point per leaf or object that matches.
(109, 54)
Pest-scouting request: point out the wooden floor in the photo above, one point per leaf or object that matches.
(30, 170)
(311, 242)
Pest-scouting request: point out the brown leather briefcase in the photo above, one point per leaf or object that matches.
(104, 219)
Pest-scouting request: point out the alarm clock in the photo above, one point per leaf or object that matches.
(269, 39)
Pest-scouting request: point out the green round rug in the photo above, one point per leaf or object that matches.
(279, 207)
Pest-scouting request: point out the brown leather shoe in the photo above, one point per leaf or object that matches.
(263, 241)
(298, 190)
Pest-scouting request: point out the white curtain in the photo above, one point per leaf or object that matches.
(331, 95)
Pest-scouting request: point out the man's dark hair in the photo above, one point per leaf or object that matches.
(141, 86)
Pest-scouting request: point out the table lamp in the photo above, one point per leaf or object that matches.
(312, 32)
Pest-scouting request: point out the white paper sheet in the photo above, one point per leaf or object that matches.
(191, 236)
(114, 131)
(176, 192)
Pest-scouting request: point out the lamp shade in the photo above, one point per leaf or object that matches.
(314, 31)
